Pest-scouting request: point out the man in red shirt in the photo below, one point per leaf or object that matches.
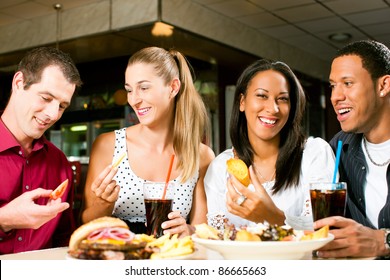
(31, 166)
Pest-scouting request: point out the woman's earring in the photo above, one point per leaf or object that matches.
(382, 94)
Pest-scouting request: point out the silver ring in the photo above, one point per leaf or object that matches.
(240, 200)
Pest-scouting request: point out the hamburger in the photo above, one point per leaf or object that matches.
(107, 238)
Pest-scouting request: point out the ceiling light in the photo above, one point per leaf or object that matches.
(340, 37)
(161, 29)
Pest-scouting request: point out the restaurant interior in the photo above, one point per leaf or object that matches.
(219, 38)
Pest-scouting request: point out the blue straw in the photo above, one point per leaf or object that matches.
(339, 145)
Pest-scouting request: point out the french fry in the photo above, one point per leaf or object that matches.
(159, 241)
(180, 251)
(144, 238)
(171, 246)
(185, 241)
(119, 160)
(168, 245)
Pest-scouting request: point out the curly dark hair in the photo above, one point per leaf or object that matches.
(375, 56)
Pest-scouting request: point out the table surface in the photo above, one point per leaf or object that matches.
(62, 254)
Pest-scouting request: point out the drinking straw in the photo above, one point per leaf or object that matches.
(338, 152)
(168, 176)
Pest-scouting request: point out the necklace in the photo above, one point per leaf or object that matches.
(369, 156)
(262, 177)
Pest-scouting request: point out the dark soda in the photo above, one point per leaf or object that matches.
(157, 211)
(326, 203)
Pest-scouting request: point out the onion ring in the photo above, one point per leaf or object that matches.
(115, 233)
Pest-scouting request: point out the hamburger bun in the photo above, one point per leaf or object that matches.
(84, 230)
(238, 169)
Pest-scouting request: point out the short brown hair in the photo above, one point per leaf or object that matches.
(36, 60)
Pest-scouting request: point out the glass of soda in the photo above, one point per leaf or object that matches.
(157, 208)
(328, 199)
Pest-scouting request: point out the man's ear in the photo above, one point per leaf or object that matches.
(175, 87)
(384, 85)
(18, 81)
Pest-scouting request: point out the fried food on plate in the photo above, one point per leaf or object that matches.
(206, 232)
(171, 247)
(259, 232)
(238, 169)
(109, 238)
(318, 234)
(243, 235)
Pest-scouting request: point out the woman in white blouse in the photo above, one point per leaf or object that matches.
(266, 133)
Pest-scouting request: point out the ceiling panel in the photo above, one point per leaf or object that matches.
(304, 24)
(27, 10)
(352, 6)
(325, 24)
(370, 17)
(235, 8)
(283, 31)
(261, 20)
(303, 13)
(7, 3)
(272, 5)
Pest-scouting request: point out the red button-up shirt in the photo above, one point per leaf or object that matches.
(46, 167)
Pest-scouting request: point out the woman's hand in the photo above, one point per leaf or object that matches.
(258, 205)
(105, 187)
(177, 225)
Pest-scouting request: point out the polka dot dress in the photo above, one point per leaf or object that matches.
(130, 204)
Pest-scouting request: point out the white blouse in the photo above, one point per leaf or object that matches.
(318, 164)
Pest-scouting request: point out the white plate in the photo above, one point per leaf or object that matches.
(268, 250)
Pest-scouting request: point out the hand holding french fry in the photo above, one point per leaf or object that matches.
(105, 187)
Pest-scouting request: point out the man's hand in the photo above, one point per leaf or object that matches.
(23, 212)
(351, 239)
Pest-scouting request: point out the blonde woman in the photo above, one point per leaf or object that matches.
(172, 120)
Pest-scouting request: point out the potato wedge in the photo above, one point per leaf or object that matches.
(238, 169)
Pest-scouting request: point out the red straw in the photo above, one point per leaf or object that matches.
(168, 176)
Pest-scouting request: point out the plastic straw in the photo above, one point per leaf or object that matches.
(168, 176)
(336, 168)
